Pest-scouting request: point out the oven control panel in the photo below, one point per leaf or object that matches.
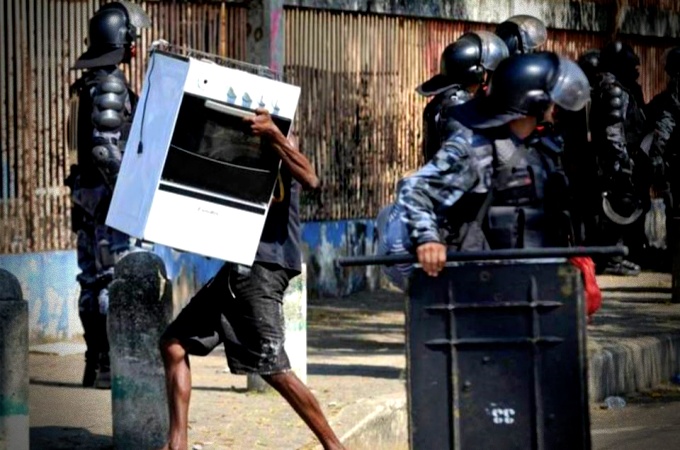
(241, 89)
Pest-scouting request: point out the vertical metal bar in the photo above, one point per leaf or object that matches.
(20, 126)
(12, 130)
(63, 118)
(5, 198)
(40, 74)
(538, 417)
(455, 379)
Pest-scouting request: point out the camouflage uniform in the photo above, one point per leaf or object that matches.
(664, 152)
(436, 125)
(663, 116)
(617, 126)
(441, 202)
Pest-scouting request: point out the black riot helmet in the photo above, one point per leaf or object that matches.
(672, 64)
(522, 33)
(525, 86)
(620, 60)
(466, 62)
(589, 62)
(112, 31)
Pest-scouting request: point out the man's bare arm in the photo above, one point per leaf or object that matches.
(298, 164)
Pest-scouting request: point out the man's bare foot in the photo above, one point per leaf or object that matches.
(173, 447)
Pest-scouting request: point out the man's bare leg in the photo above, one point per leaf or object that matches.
(178, 384)
(306, 406)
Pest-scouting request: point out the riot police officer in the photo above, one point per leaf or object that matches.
(465, 67)
(662, 144)
(522, 33)
(487, 188)
(617, 125)
(579, 158)
(100, 119)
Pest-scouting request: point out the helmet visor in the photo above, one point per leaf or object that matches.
(572, 89)
(138, 18)
(494, 49)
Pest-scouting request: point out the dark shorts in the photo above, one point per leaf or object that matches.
(243, 311)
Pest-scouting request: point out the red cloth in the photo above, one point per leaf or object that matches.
(592, 290)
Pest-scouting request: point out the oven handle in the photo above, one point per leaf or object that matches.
(226, 109)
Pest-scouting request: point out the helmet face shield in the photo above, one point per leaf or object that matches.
(493, 49)
(572, 89)
(136, 15)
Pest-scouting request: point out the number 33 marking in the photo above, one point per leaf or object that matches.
(503, 416)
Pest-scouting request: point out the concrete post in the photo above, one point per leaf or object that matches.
(295, 311)
(265, 33)
(14, 423)
(139, 311)
(265, 46)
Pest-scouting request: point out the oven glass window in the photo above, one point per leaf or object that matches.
(214, 151)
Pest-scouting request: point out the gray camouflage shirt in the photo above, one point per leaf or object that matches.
(464, 164)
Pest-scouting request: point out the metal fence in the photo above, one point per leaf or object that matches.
(359, 116)
(40, 40)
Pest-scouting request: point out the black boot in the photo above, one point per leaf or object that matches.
(90, 374)
(90, 325)
(621, 267)
(103, 380)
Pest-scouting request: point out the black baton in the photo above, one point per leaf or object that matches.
(488, 255)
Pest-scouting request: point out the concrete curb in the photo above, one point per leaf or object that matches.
(386, 428)
(384, 425)
(632, 365)
(620, 369)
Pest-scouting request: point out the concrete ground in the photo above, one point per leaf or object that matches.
(355, 362)
(356, 368)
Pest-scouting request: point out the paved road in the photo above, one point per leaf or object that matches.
(650, 421)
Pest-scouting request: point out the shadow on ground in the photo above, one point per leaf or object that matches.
(372, 325)
(66, 438)
(356, 370)
(667, 393)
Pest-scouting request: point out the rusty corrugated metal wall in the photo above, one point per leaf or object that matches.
(40, 39)
(360, 118)
(359, 115)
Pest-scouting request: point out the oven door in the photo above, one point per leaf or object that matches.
(213, 151)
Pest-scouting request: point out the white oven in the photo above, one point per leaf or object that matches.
(199, 181)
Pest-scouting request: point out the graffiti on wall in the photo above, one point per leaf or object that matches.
(48, 282)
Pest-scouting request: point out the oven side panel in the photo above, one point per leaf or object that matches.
(153, 125)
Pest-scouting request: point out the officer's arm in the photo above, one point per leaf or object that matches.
(666, 108)
(110, 100)
(663, 129)
(435, 187)
(618, 164)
